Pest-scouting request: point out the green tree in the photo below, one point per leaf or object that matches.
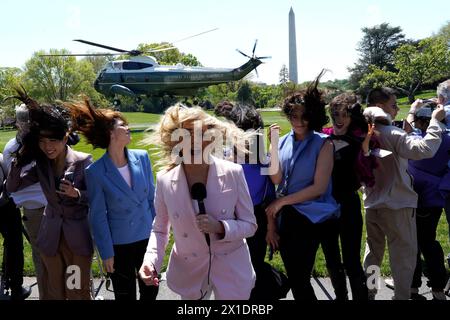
(376, 48)
(425, 63)
(444, 33)
(267, 96)
(98, 62)
(59, 78)
(9, 77)
(284, 75)
(245, 94)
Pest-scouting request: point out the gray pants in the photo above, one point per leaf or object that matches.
(32, 222)
(399, 227)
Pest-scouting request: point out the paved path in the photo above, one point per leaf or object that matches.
(322, 288)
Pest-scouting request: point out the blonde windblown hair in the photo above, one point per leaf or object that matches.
(161, 140)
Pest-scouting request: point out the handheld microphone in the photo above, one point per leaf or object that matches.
(198, 192)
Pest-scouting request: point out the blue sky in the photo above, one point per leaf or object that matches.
(327, 30)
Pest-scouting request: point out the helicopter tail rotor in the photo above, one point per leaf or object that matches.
(253, 53)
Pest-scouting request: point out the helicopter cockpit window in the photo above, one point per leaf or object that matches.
(117, 65)
(133, 65)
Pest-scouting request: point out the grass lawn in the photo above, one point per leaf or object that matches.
(144, 119)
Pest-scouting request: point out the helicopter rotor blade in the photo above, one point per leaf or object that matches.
(196, 35)
(159, 50)
(245, 55)
(254, 48)
(256, 71)
(80, 55)
(260, 58)
(101, 45)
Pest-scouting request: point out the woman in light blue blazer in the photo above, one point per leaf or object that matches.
(121, 190)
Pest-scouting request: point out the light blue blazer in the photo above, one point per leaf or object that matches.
(119, 214)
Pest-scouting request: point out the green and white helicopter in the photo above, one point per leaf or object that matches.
(142, 75)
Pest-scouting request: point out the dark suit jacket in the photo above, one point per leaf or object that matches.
(62, 214)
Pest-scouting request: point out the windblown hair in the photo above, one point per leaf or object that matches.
(48, 120)
(174, 118)
(314, 103)
(223, 109)
(350, 102)
(95, 124)
(247, 118)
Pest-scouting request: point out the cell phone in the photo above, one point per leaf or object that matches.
(68, 175)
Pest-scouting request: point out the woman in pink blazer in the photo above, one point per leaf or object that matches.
(197, 268)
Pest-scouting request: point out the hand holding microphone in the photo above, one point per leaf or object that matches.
(205, 222)
(208, 224)
(198, 192)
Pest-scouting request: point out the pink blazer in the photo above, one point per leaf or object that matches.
(229, 201)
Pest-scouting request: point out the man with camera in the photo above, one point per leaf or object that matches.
(391, 203)
(432, 184)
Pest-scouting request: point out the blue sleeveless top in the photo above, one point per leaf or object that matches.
(302, 175)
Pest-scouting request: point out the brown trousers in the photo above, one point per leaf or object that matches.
(32, 221)
(61, 281)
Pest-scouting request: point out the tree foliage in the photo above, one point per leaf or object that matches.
(59, 78)
(425, 63)
(9, 77)
(283, 75)
(444, 33)
(376, 48)
(244, 94)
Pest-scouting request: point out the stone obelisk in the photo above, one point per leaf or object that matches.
(293, 77)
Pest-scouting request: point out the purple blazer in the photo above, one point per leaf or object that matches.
(62, 214)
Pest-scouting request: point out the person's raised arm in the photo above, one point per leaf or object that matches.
(416, 149)
(276, 174)
(322, 175)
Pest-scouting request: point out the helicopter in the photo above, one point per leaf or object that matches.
(143, 75)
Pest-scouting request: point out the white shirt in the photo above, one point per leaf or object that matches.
(31, 197)
(125, 173)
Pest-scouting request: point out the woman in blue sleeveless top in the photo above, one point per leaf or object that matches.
(305, 202)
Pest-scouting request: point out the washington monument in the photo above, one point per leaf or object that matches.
(292, 48)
